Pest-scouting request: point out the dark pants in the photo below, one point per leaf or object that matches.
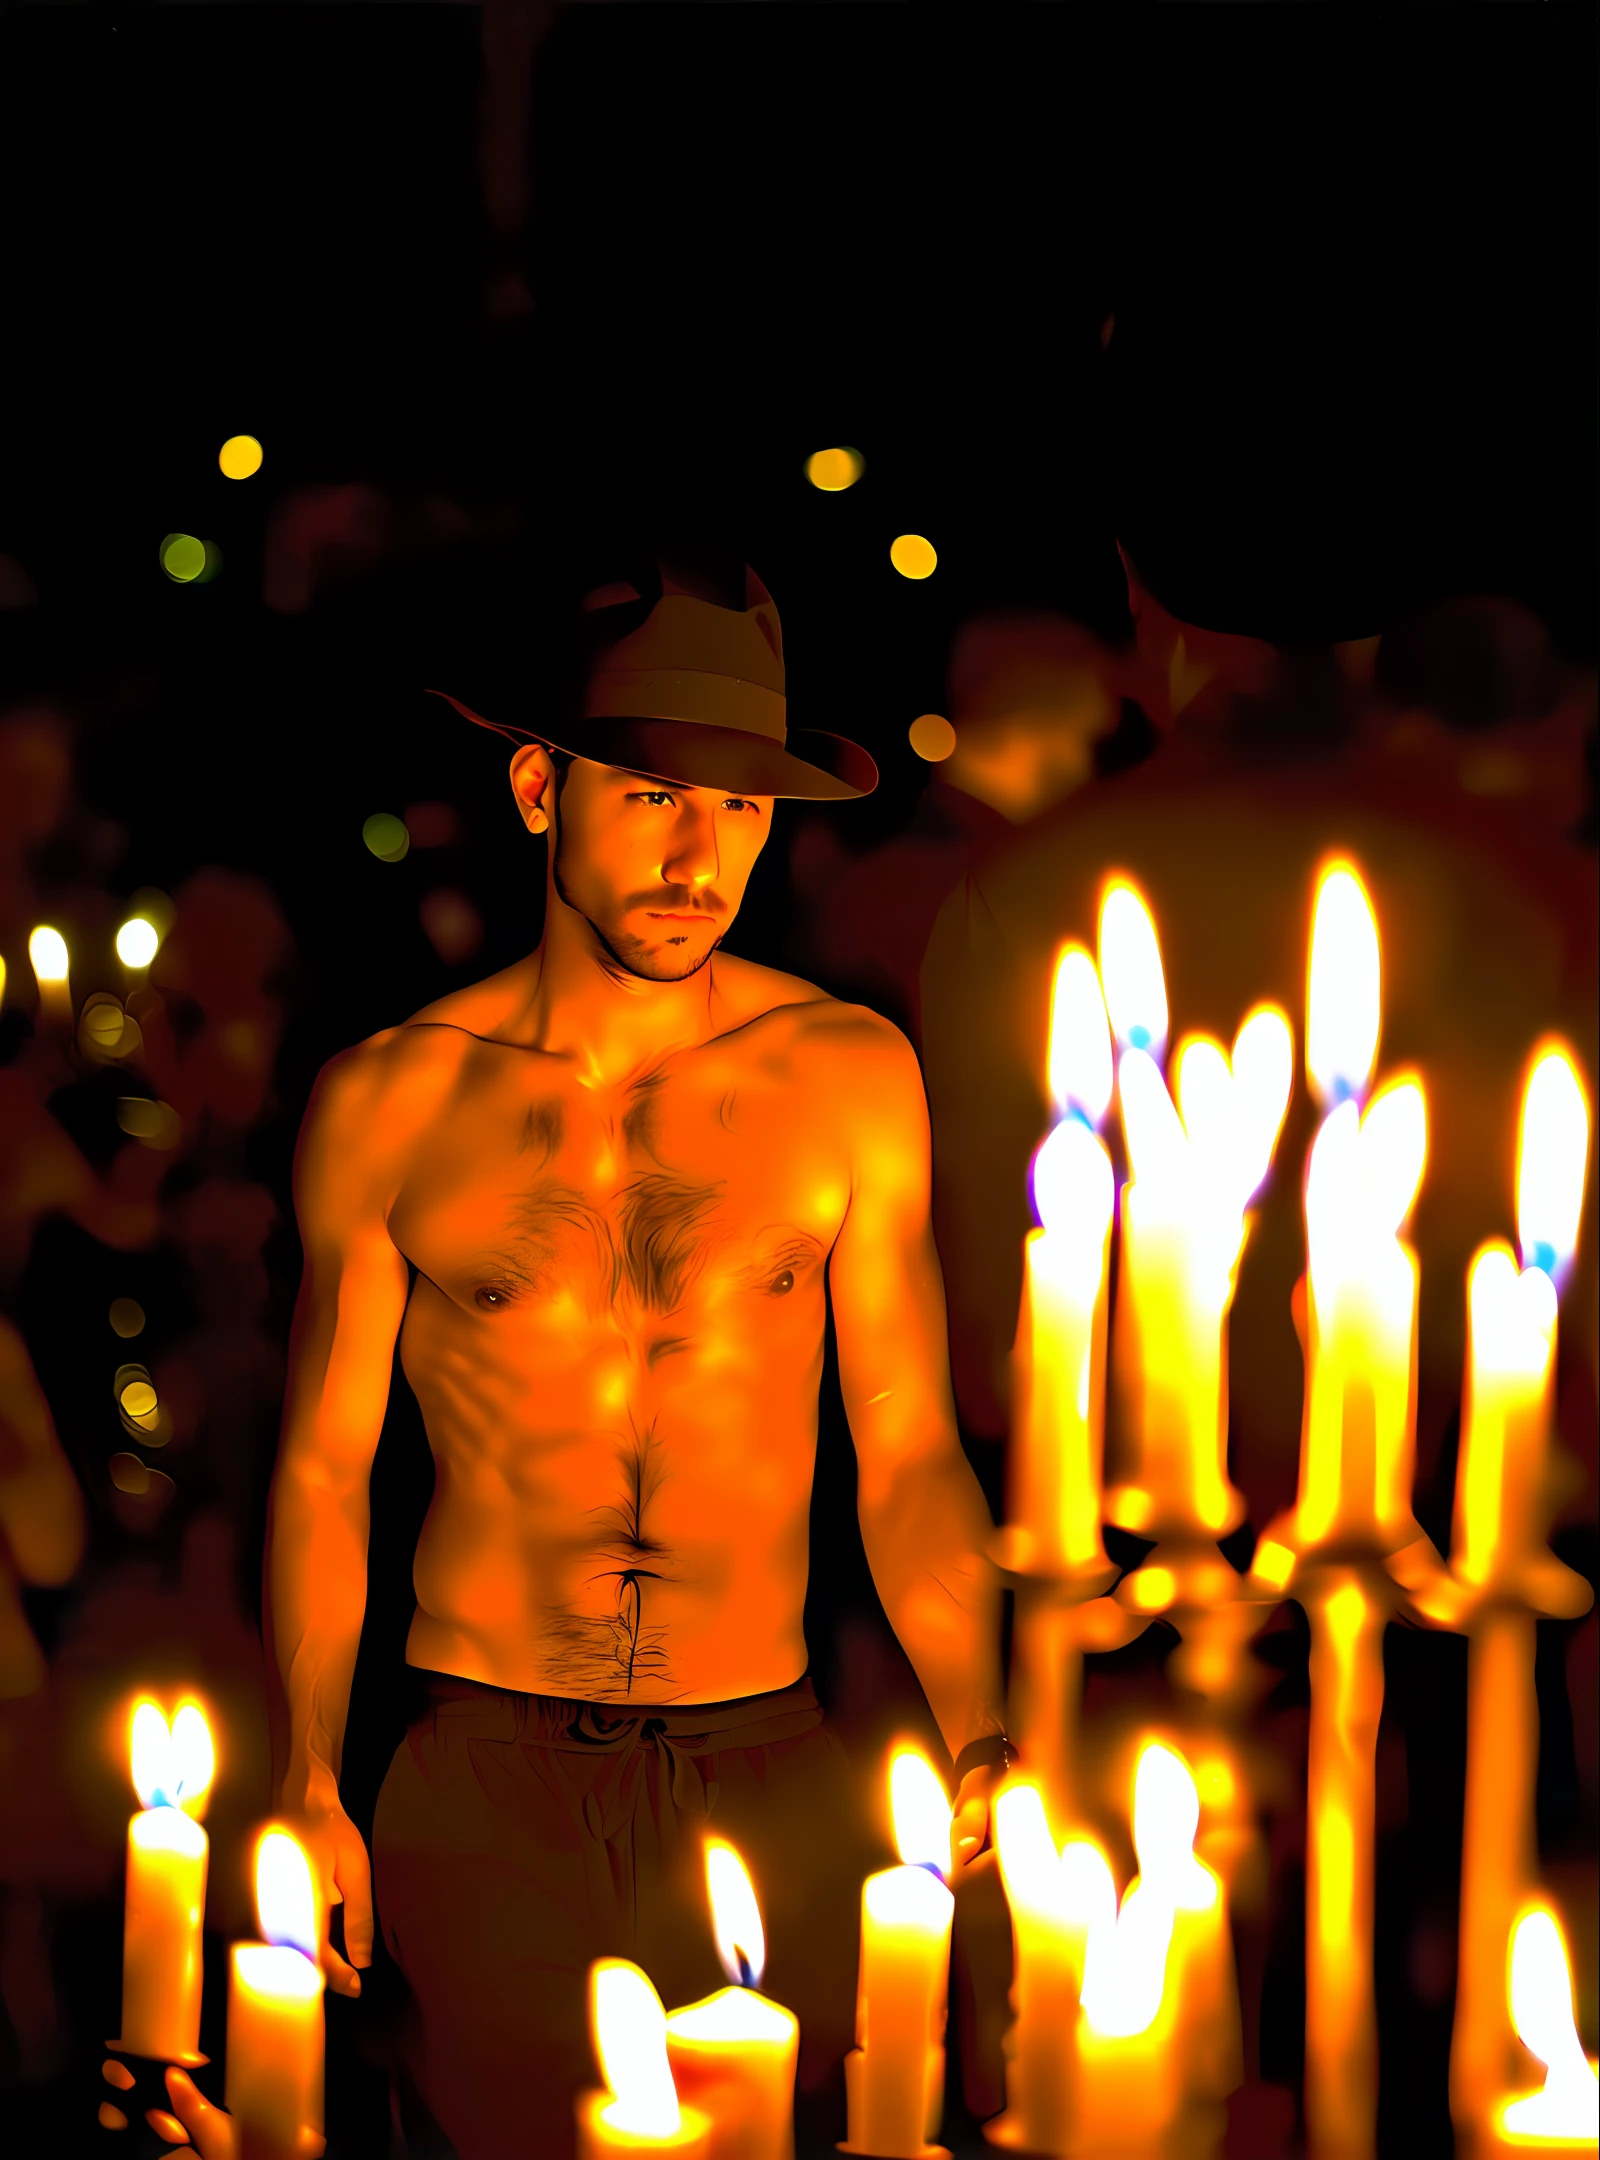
(518, 1837)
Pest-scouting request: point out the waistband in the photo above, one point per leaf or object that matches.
(558, 1721)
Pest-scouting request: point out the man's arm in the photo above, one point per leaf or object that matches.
(352, 1299)
(924, 1522)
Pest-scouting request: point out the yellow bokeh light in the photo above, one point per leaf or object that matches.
(835, 470)
(913, 556)
(127, 1317)
(240, 457)
(47, 950)
(139, 1398)
(932, 737)
(138, 942)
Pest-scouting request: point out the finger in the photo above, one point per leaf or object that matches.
(166, 2126)
(213, 2129)
(339, 1974)
(355, 1878)
(968, 1830)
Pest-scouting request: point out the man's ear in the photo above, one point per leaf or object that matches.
(533, 784)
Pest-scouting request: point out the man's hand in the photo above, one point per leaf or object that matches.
(344, 1877)
(969, 1827)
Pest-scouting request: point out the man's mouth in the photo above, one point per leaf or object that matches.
(661, 915)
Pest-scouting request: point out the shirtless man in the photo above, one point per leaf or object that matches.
(600, 1199)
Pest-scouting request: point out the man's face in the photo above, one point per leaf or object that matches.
(657, 869)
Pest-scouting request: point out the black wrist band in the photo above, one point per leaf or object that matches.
(988, 1748)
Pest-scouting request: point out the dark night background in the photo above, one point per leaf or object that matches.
(1298, 304)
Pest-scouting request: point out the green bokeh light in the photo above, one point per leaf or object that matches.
(183, 557)
(386, 836)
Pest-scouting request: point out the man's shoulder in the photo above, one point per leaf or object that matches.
(810, 1016)
(410, 1063)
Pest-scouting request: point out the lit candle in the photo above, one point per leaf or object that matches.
(1502, 1566)
(275, 2014)
(894, 2078)
(1159, 2033)
(1195, 1167)
(1351, 1532)
(1056, 1899)
(734, 2054)
(47, 950)
(1060, 1353)
(1564, 2117)
(638, 2109)
(166, 1885)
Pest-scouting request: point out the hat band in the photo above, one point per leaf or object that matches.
(707, 700)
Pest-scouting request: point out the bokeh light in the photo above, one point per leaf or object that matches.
(453, 925)
(240, 457)
(432, 824)
(47, 950)
(138, 942)
(157, 1124)
(386, 836)
(138, 1398)
(127, 1317)
(932, 737)
(183, 557)
(835, 470)
(129, 1474)
(913, 556)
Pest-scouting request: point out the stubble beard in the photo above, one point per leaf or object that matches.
(647, 963)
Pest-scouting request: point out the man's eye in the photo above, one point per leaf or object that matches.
(490, 1300)
(738, 802)
(653, 796)
(783, 1283)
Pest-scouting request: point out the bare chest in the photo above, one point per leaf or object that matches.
(696, 1187)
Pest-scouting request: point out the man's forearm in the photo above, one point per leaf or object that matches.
(926, 1536)
(316, 1580)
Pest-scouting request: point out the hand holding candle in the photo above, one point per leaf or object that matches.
(638, 2110)
(166, 1885)
(734, 2054)
(894, 2080)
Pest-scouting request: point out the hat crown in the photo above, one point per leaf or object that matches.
(686, 633)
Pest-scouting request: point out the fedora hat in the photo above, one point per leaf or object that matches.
(694, 693)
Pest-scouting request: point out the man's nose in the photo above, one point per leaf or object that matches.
(691, 857)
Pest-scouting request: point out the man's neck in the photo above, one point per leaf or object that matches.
(584, 1005)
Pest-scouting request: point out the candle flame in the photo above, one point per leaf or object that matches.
(1205, 1093)
(735, 1915)
(1263, 1080)
(1541, 2010)
(1166, 1819)
(1073, 1192)
(1513, 1315)
(1080, 1037)
(138, 941)
(920, 1812)
(1363, 1177)
(1074, 1887)
(286, 1899)
(47, 950)
(1344, 987)
(1157, 1147)
(629, 2030)
(173, 1765)
(1552, 1160)
(1130, 969)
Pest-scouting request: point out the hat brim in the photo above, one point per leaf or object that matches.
(810, 766)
